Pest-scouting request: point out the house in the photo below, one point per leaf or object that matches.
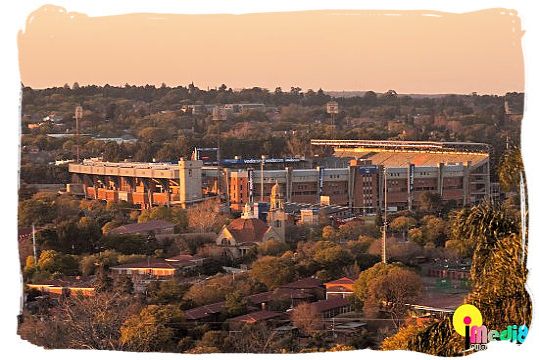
(205, 313)
(185, 261)
(291, 297)
(154, 267)
(260, 301)
(308, 285)
(67, 286)
(271, 318)
(144, 272)
(155, 227)
(332, 307)
(341, 288)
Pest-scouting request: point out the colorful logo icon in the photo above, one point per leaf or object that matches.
(464, 316)
(468, 322)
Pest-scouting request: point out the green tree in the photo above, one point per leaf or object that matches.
(392, 292)
(272, 247)
(103, 282)
(168, 292)
(403, 224)
(434, 229)
(329, 233)
(416, 235)
(124, 285)
(331, 257)
(511, 170)
(54, 262)
(212, 341)
(430, 202)
(155, 328)
(235, 304)
(364, 287)
(38, 212)
(307, 319)
(174, 215)
(273, 271)
(89, 263)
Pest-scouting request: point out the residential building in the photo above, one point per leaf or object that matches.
(144, 272)
(66, 286)
(340, 288)
(270, 318)
(154, 227)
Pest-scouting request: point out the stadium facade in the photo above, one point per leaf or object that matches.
(458, 172)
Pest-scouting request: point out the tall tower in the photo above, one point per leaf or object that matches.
(276, 214)
(78, 118)
(190, 181)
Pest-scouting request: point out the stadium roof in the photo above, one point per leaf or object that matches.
(418, 158)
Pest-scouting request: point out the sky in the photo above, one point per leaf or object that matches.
(417, 52)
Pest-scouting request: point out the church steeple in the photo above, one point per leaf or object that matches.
(276, 200)
(276, 214)
(248, 212)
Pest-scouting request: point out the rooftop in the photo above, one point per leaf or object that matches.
(203, 311)
(342, 281)
(184, 258)
(137, 228)
(325, 305)
(257, 316)
(279, 293)
(152, 264)
(247, 230)
(418, 158)
(69, 282)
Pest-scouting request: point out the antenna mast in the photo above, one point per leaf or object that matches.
(78, 117)
(218, 115)
(384, 233)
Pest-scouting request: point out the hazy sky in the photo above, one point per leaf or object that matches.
(334, 50)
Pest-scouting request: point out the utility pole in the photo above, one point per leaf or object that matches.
(384, 233)
(78, 117)
(34, 244)
(218, 115)
(263, 158)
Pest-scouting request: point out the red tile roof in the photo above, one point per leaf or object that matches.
(247, 231)
(279, 293)
(341, 281)
(257, 316)
(204, 311)
(325, 305)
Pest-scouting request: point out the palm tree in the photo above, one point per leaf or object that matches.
(511, 170)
